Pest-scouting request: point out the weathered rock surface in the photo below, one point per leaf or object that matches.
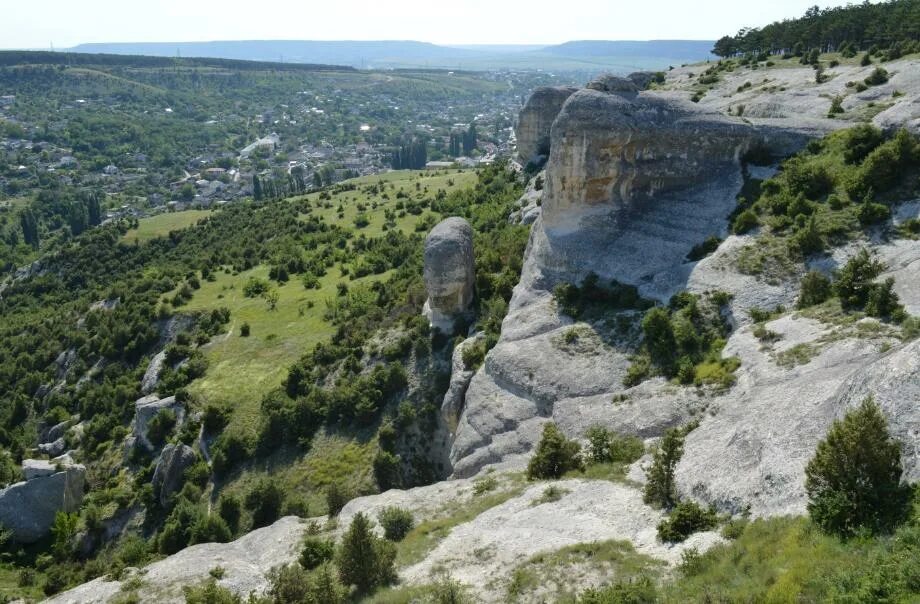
(792, 97)
(28, 508)
(460, 378)
(167, 476)
(53, 448)
(449, 272)
(245, 561)
(536, 119)
(152, 374)
(146, 408)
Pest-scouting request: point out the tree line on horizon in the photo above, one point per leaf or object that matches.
(894, 24)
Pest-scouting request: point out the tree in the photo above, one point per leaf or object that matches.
(660, 489)
(854, 479)
(271, 298)
(396, 522)
(555, 455)
(659, 337)
(29, 223)
(365, 560)
(264, 501)
(257, 192)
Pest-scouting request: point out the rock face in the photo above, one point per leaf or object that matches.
(536, 118)
(449, 273)
(28, 508)
(167, 476)
(145, 409)
(246, 563)
(152, 374)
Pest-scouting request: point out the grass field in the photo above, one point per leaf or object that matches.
(413, 184)
(243, 369)
(161, 224)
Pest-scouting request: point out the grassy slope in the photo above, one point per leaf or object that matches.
(243, 369)
(161, 224)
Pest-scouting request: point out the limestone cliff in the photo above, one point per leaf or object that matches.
(536, 118)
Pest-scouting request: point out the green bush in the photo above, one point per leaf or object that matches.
(745, 222)
(210, 593)
(230, 509)
(854, 479)
(860, 141)
(855, 280)
(336, 498)
(316, 551)
(814, 289)
(264, 500)
(684, 520)
(701, 250)
(555, 455)
(659, 338)
(161, 426)
(244, 330)
(605, 446)
(878, 77)
(660, 488)
(396, 523)
(638, 591)
(386, 470)
(365, 560)
(883, 301)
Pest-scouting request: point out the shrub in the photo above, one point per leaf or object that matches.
(555, 455)
(701, 250)
(230, 509)
(659, 338)
(745, 222)
(660, 489)
(638, 591)
(396, 522)
(815, 289)
(866, 60)
(160, 426)
(684, 520)
(854, 280)
(255, 287)
(244, 330)
(854, 479)
(209, 593)
(836, 106)
(860, 141)
(264, 501)
(386, 470)
(316, 551)
(878, 77)
(882, 300)
(336, 498)
(364, 559)
(870, 213)
(808, 239)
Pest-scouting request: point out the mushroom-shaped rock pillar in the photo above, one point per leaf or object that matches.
(449, 273)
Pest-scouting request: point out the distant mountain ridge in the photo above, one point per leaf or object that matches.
(582, 54)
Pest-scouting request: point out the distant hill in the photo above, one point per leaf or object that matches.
(585, 55)
(690, 50)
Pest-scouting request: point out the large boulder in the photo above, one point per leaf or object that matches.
(168, 474)
(449, 272)
(28, 508)
(146, 408)
(152, 374)
(536, 118)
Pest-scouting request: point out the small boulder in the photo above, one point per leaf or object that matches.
(167, 477)
(54, 448)
(449, 272)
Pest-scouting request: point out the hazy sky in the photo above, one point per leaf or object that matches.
(37, 24)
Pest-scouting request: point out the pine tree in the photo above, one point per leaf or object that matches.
(29, 224)
(660, 489)
(257, 193)
(854, 480)
(365, 560)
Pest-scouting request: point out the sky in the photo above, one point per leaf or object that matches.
(65, 23)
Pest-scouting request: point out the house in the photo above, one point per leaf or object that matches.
(439, 165)
(214, 173)
(110, 170)
(269, 142)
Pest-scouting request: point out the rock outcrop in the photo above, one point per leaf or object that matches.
(146, 408)
(28, 508)
(449, 272)
(167, 476)
(536, 118)
(246, 563)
